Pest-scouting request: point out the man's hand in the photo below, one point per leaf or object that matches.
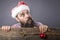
(43, 28)
(6, 28)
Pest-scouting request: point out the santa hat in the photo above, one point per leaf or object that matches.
(20, 7)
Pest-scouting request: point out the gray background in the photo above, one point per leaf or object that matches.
(44, 11)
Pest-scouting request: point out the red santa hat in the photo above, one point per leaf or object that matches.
(20, 7)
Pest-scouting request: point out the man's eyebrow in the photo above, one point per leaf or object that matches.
(21, 13)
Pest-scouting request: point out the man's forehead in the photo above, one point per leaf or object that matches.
(24, 11)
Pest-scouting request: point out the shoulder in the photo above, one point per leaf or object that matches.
(17, 25)
(38, 23)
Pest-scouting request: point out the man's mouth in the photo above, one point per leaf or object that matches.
(29, 20)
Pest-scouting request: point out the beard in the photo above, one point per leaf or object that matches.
(29, 23)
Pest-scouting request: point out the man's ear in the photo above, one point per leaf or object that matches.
(17, 19)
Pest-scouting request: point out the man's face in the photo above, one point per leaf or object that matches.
(24, 16)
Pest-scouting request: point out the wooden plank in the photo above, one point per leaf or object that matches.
(29, 34)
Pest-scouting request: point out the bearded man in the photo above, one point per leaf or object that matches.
(21, 13)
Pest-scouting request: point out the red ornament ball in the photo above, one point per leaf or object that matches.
(42, 35)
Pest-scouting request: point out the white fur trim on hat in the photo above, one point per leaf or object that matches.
(18, 9)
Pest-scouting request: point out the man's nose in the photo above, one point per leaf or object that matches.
(27, 16)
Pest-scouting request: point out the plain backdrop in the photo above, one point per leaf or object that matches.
(44, 11)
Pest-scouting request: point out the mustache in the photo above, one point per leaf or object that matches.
(29, 23)
(29, 19)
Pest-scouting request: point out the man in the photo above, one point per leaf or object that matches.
(21, 13)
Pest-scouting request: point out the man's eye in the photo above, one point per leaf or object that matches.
(27, 12)
(22, 14)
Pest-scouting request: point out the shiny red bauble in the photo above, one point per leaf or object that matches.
(42, 35)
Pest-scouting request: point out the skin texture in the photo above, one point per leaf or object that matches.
(24, 17)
